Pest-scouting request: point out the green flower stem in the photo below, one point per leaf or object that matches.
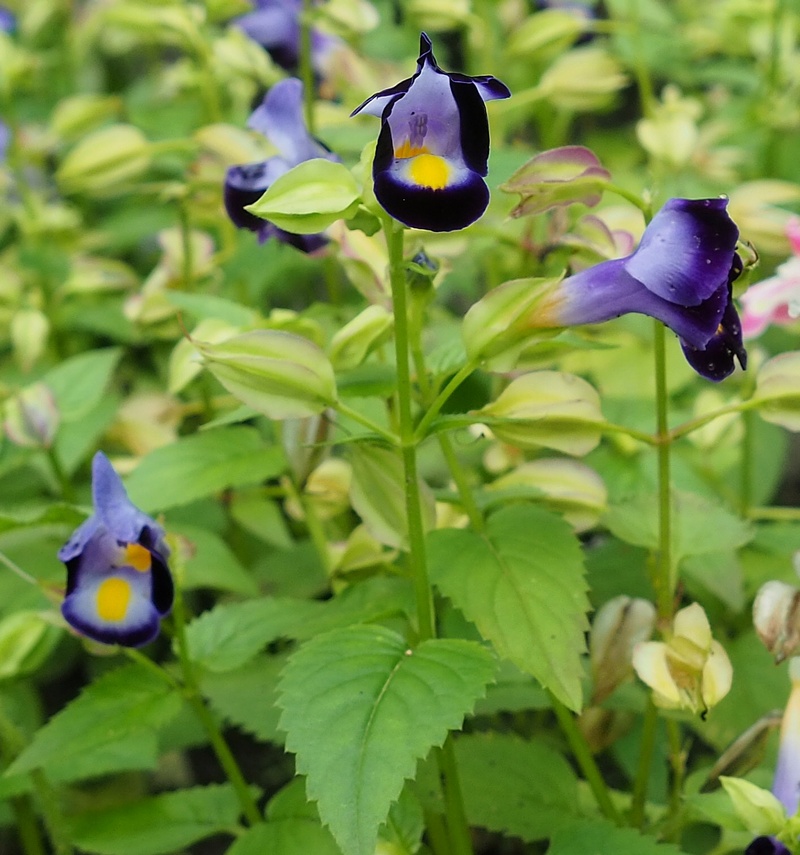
(746, 486)
(416, 532)
(441, 399)
(64, 484)
(646, 752)
(382, 432)
(640, 70)
(701, 421)
(313, 524)
(140, 659)
(436, 833)
(11, 744)
(678, 764)
(51, 811)
(209, 723)
(664, 582)
(460, 840)
(17, 570)
(644, 206)
(585, 760)
(306, 66)
(462, 484)
(775, 514)
(187, 261)
(458, 830)
(641, 436)
(27, 826)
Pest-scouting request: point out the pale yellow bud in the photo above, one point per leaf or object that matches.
(619, 625)
(776, 618)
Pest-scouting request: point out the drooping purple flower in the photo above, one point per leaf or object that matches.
(280, 119)
(275, 25)
(118, 583)
(433, 147)
(681, 274)
(786, 784)
(8, 21)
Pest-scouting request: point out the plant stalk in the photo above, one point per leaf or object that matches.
(209, 723)
(583, 756)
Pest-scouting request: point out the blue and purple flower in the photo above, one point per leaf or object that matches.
(275, 25)
(280, 119)
(118, 584)
(681, 274)
(433, 148)
(786, 784)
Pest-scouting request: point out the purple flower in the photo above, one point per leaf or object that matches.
(681, 274)
(433, 146)
(786, 784)
(275, 25)
(8, 21)
(280, 120)
(118, 583)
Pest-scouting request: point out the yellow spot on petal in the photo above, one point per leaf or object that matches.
(428, 170)
(138, 557)
(407, 150)
(113, 597)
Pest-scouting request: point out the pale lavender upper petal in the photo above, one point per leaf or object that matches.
(272, 25)
(685, 252)
(280, 118)
(114, 509)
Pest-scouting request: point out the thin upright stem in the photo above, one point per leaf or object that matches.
(457, 827)
(462, 485)
(416, 531)
(307, 66)
(646, 752)
(209, 723)
(64, 484)
(441, 399)
(583, 756)
(664, 582)
(30, 837)
(367, 422)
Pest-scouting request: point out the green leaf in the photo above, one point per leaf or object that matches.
(519, 787)
(295, 836)
(699, 524)
(160, 824)
(79, 383)
(309, 198)
(213, 565)
(208, 306)
(601, 838)
(522, 584)
(247, 696)
(94, 734)
(202, 465)
(360, 708)
(230, 634)
(378, 495)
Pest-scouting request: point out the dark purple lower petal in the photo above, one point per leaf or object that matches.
(766, 846)
(305, 243)
(243, 186)
(446, 210)
(716, 360)
(162, 591)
